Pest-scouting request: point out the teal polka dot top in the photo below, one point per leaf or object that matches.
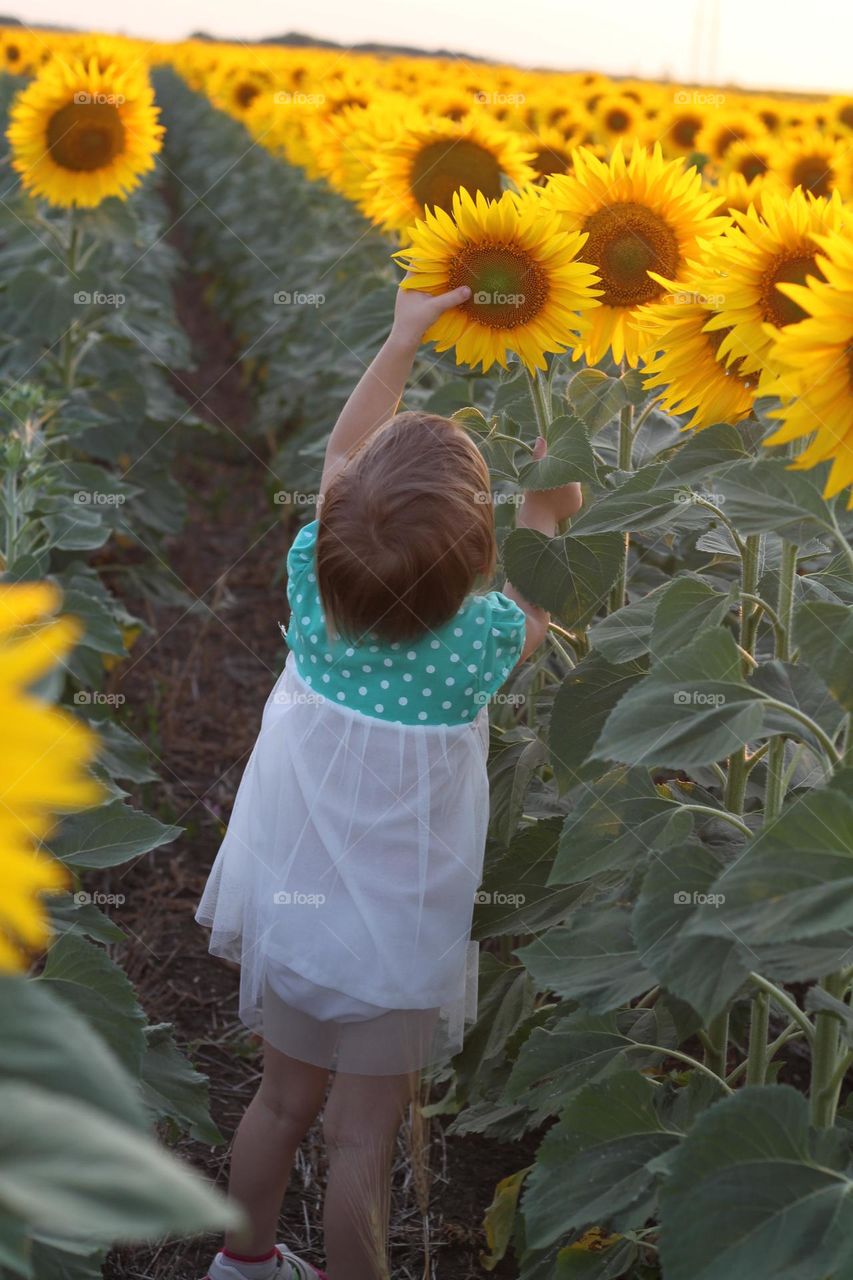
(444, 677)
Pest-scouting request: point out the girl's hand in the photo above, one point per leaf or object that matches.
(414, 312)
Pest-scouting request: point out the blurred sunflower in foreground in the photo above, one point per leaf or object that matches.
(527, 285)
(83, 131)
(43, 756)
(814, 360)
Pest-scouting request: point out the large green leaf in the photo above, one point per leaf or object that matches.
(516, 895)
(626, 633)
(794, 880)
(569, 458)
(172, 1087)
(687, 606)
(824, 633)
(69, 1168)
(594, 961)
(748, 1196)
(764, 496)
(693, 708)
(48, 1045)
(108, 836)
(584, 701)
(619, 821)
(593, 1165)
(597, 398)
(705, 971)
(568, 576)
(83, 976)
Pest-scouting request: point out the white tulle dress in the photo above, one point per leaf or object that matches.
(345, 883)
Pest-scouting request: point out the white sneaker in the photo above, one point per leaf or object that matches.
(287, 1266)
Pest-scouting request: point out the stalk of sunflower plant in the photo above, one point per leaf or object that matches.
(44, 756)
(82, 131)
(813, 364)
(640, 215)
(528, 286)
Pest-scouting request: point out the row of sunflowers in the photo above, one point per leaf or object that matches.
(661, 284)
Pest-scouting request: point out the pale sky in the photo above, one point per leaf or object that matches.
(789, 44)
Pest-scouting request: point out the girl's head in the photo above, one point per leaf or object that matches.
(406, 529)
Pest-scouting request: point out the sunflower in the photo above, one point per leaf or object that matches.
(750, 159)
(618, 117)
(816, 162)
(551, 152)
(724, 128)
(679, 127)
(756, 256)
(813, 363)
(79, 133)
(840, 113)
(639, 215)
(686, 364)
(43, 762)
(527, 285)
(734, 192)
(422, 168)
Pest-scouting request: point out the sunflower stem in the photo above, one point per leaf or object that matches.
(625, 463)
(540, 399)
(751, 558)
(69, 338)
(776, 782)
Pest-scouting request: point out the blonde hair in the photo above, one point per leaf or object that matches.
(406, 528)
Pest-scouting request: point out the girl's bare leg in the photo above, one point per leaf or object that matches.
(360, 1125)
(278, 1117)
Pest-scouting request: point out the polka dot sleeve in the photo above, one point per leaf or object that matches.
(300, 557)
(503, 643)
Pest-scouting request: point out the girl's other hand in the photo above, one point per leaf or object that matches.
(415, 311)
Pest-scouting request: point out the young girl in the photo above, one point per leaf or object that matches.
(345, 884)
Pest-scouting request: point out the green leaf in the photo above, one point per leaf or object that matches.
(592, 1166)
(594, 961)
(513, 760)
(569, 458)
(637, 505)
(700, 454)
(568, 576)
(68, 1168)
(626, 633)
(108, 836)
(692, 709)
(794, 881)
(84, 977)
(596, 1259)
(173, 1088)
(746, 1196)
(596, 398)
(764, 496)
(584, 701)
(824, 633)
(688, 606)
(706, 972)
(516, 895)
(800, 687)
(54, 1049)
(619, 821)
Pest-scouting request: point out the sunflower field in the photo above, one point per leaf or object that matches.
(661, 286)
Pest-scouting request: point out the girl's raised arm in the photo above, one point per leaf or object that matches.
(378, 392)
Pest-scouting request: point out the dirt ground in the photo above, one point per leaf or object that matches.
(195, 689)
